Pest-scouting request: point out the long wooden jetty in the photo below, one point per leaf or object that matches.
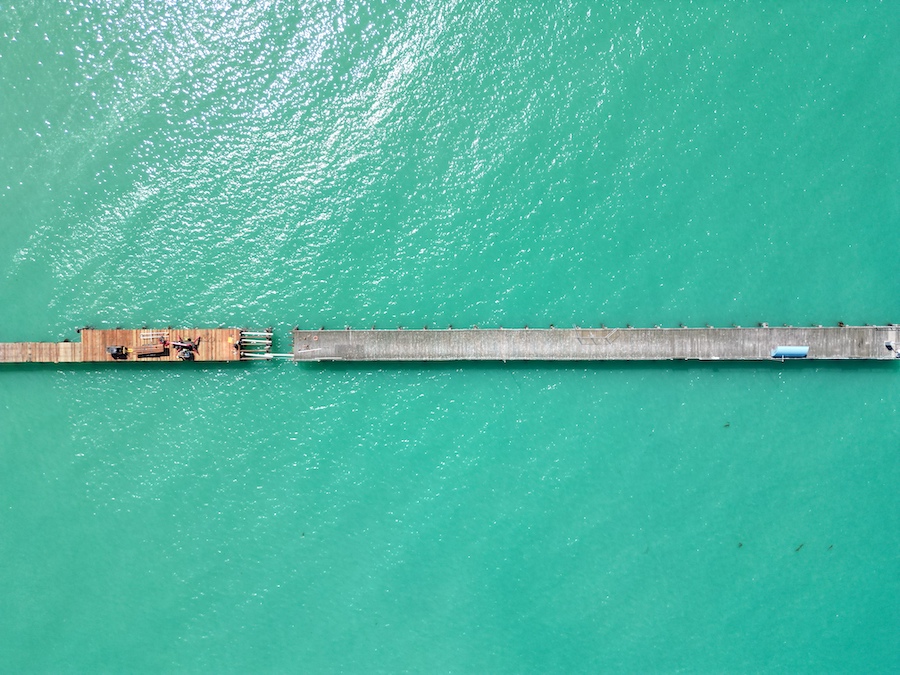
(763, 343)
(145, 344)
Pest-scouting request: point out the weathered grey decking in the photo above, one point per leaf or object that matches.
(622, 344)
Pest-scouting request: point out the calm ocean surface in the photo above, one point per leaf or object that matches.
(410, 163)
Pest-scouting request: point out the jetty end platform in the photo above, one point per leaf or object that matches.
(147, 345)
(762, 343)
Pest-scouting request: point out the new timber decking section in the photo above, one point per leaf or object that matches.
(613, 344)
(215, 344)
(144, 344)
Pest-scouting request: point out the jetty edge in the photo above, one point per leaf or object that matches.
(763, 343)
(157, 345)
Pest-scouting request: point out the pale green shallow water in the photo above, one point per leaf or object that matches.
(434, 163)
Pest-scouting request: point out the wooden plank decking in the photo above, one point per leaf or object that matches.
(625, 344)
(40, 352)
(216, 344)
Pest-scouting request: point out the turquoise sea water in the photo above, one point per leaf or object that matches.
(412, 163)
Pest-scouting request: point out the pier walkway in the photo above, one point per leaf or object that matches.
(607, 344)
(549, 344)
(145, 344)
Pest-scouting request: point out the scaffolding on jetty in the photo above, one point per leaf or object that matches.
(256, 345)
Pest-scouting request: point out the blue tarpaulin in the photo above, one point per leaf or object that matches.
(798, 352)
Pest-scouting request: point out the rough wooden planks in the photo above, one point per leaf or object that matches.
(216, 344)
(625, 344)
(40, 352)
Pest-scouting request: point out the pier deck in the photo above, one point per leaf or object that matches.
(621, 344)
(216, 344)
(141, 344)
(40, 352)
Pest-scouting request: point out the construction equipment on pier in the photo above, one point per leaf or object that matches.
(146, 345)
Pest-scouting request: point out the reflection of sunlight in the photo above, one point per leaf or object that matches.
(217, 128)
(407, 52)
(379, 81)
(386, 97)
(93, 240)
